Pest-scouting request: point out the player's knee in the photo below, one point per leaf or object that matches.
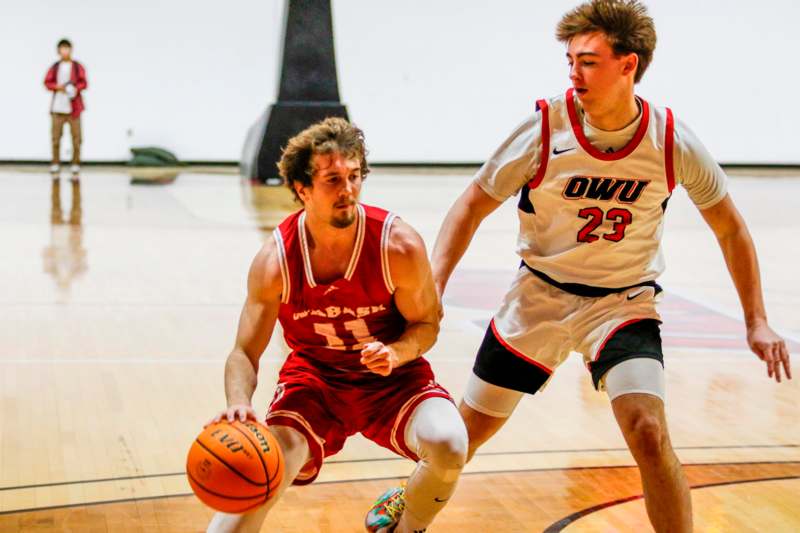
(295, 450)
(647, 436)
(445, 451)
(288, 438)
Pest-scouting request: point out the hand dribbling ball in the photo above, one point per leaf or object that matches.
(235, 467)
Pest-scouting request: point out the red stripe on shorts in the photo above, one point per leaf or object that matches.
(613, 332)
(516, 352)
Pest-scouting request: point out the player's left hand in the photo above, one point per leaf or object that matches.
(770, 348)
(379, 358)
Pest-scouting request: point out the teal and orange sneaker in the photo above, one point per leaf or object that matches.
(385, 512)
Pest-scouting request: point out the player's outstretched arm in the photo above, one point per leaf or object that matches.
(415, 298)
(256, 323)
(456, 233)
(740, 256)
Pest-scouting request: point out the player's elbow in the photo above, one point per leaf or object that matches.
(427, 333)
(434, 327)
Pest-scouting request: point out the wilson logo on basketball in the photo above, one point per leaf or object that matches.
(229, 442)
(626, 191)
(262, 440)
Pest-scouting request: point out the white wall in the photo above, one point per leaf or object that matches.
(189, 75)
(428, 80)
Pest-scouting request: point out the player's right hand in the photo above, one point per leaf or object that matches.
(770, 348)
(240, 411)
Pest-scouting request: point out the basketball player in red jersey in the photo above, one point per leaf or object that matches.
(352, 288)
(594, 168)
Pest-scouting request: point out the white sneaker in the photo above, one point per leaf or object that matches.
(76, 171)
(55, 171)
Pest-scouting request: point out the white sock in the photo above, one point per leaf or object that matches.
(437, 435)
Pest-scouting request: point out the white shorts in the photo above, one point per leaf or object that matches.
(539, 325)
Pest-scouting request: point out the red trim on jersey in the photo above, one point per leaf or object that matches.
(537, 178)
(577, 129)
(613, 332)
(515, 351)
(669, 147)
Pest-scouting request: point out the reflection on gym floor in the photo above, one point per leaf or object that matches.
(65, 257)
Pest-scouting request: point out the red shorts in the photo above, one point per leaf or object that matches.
(328, 406)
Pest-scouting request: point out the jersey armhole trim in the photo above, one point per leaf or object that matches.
(287, 282)
(387, 274)
(301, 232)
(360, 230)
(541, 105)
(669, 148)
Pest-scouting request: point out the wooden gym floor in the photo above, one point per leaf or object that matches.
(120, 299)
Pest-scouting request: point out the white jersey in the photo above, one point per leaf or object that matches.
(592, 217)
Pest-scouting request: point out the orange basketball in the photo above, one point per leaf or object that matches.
(235, 467)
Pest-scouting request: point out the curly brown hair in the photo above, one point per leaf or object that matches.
(626, 24)
(330, 135)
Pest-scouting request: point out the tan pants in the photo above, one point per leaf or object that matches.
(59, 119)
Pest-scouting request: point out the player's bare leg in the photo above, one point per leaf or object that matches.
(666, 491)
(485, 408)
(295, 454)
(480, 427)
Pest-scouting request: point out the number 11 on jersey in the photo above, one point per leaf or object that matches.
(355, 331)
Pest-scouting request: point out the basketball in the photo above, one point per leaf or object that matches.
(235, 467)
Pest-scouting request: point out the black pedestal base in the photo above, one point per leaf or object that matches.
(266, 138)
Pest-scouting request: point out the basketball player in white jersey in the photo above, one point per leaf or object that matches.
(594, 169)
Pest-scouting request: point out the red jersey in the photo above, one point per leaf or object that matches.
(330, 323)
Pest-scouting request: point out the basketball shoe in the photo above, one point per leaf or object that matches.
(385, 513)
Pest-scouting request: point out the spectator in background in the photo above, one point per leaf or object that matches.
(66, 79)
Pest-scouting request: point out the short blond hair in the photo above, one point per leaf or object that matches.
(626, 24)
(330, 135)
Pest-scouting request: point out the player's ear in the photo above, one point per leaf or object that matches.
(630, 63)
(300, 189)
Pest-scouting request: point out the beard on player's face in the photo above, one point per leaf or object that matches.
(343, 221)
(344, 213)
